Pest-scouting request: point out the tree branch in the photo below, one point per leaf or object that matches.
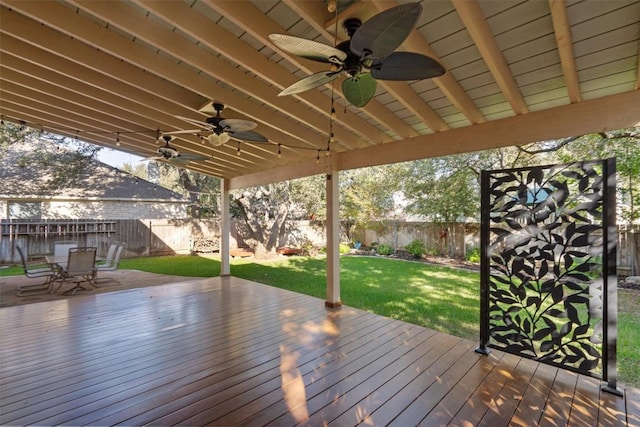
(553, 148)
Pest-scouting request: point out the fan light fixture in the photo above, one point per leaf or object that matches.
(222, 130)
(218, 139)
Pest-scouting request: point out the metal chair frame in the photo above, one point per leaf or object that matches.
(111, 263)
(81, 266)
(34, 271)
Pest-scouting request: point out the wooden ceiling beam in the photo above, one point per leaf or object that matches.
(62, 121)
(12, 47)
(172, 43)
(69, 79)
(478, 28)
(75, 51)
(596, 115)
(565, 48)
(250, 19)
(75, 104)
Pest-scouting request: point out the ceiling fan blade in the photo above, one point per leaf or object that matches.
(237, 125)
(359, 90)
(182, 132)
(385, 32)
(202, 125)
(406, 66)
(191, 156)
(250, 136)
(311, 82)
(177, 161)
(308, 49)
(152, 158)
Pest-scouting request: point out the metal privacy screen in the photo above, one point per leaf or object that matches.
(548, 289)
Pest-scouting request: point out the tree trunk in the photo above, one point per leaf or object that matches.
(193, 190)
(635, 258)
(264, 222)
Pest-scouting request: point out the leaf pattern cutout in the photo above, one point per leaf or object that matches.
(545, 258)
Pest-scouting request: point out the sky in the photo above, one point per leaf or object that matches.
(117, 158)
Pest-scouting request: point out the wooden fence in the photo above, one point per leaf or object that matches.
(143, 237)
(628, 251)
(452, 241)
(180, 236)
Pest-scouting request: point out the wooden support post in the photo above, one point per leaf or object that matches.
(333, 240)
(225, 229)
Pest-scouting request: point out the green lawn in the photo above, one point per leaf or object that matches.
(440, 298)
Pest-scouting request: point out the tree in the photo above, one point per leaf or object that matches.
(64, 158)
(367, 196)
(444, 190)
(624, 145)
(264, 210)
(308, 198)
(139, 170)
(202, 190)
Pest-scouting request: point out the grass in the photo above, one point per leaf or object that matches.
(629, 337)
(440, 298)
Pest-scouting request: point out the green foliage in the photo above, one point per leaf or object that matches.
(308, 198)
(433, 251)
(417, 248)
(473, 255)
(629, 337)
(264, 210)
(442, 189)
(624, 146)
(384, 249)
(367, 196)
(344, 248)
(203, 190)
(62, 160)
(14, 133)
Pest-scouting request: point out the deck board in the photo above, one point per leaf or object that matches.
(226, 351)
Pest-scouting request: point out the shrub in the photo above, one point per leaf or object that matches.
(417, 248)
(473, 255)
(344, 248)
(384, 249)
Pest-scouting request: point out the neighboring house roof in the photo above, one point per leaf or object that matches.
(24, 177)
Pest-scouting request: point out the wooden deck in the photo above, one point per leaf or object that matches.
(233, 352)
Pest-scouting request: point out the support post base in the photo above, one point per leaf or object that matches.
(613, 390)
(483, 350)
(333, 304)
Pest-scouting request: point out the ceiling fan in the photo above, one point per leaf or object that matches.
(367, 56)
(222, 130)
(170, 154)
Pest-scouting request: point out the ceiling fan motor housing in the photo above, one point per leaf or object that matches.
(352, 65)
(167, 152)
(351, 25)
(215, 122)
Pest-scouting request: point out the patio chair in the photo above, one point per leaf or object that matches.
(61, 247)
(34, 271)
(79, 268)
(111, 263)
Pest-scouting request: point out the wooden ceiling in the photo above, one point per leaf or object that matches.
(113, 73)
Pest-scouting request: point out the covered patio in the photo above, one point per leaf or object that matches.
(126, 74)
(226, 351)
